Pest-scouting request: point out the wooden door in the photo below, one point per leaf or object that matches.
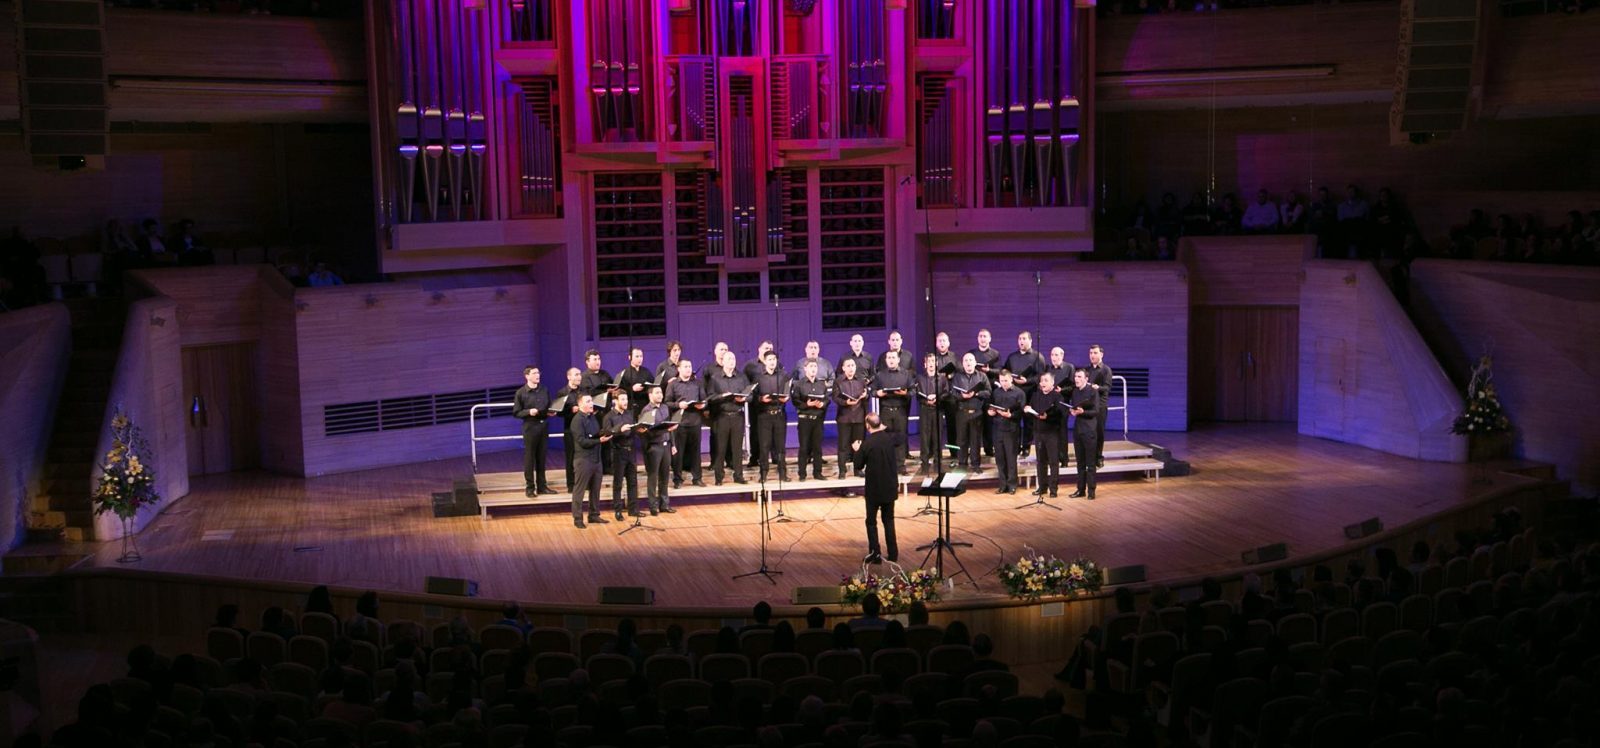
(1244, 363)
(220, 392)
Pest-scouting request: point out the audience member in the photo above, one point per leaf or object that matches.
(869, 619)
(321, 277)
(1262, 215)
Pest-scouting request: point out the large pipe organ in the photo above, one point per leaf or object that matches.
(686, 158)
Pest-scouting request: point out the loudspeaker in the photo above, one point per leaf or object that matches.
(1265, 554)
(627, 596)
(1125, 574)
(815, 595)
(450, 586)
(1362, 529)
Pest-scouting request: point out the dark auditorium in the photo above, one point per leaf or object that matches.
(799, 373)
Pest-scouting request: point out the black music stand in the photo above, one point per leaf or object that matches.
(945, 487)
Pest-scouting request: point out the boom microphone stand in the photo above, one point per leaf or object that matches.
(779, 517)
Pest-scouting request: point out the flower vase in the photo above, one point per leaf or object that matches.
(130, 545)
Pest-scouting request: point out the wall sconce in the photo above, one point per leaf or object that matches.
(1350, 280)
(370, 300)
(157, 321)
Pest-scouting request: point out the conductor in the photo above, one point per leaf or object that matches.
(879, 456)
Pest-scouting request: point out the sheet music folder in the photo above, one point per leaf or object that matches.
(946, 485)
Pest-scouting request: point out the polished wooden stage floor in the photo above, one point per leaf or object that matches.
(1251, 485)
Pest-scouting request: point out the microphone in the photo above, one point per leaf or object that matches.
(630, 294)
(1037, 279)
(927, 294)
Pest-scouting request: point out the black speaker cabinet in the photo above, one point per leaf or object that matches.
(627, 596)
(1363, 529)
(1125, 574)
(451, 586)
(815, 596)
(1265, 554)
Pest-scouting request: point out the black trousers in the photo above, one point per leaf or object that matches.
(657, 457)
(535, 446)
(988, 434)
(771, 428)
(809, 430)
(969, 435)
(755, 437)
(1064, 434)
(569, 448)
(586, 483)
(895, 419)
(727, 441)
(1005, 456)
(887, 511)
(623, 472)
(687, 439)
(849, 433)
(1048, 438)
(948, 415)
(1025, 437)
(1085, 442)
(1100, 432)
(930, 430)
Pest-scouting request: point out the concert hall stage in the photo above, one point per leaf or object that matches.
(1251, 485)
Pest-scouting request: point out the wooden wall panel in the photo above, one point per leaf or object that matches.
(1540, 325)
(148, 387)
(282, 444)
(216, 304)
(1366, 375)
(367, 342)
(35, 344)
(1541, 66)
(1138, 311)
(1245, 270)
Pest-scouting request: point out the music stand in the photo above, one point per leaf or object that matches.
(945, 487)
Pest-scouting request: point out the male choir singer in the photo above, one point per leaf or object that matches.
(585, 430)
(892, 386)
(619, 424)
(686, 397)
(878, 456)
(810, 395)
(1100, 382)
(530, 404)
(849, 397)
(932, 392)
(970, 388)
(658, 451)
(728, 392)
(1005, 408)
(772, 395)
(1086, 410)
(1045, 409)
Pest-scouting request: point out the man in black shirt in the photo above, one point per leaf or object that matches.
(1100, 381)
(810, 394)
(727, 420)
(669, 368)
(684, 394)
(1086, 411)
(970, 390)
(859, 355)
(753, 369)
(933, 391)
(658, 451)
(849, 395)
(1005, 411)
(529, 404)
(617, 423)
(892, 386)
(1025, 365)
(597, 383)
(589, 441)
(1044, 407)
(896, 346)
(878, 455)
(988, 359)
(568, 396)
(633, 380)
(772, 394)
(947, 363)
(1061, 371)
(813, 356)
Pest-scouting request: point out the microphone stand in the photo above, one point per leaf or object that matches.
(779, 517)
(764, 497)
(938, 428)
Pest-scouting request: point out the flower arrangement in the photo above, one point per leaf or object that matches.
(1483, 414)
(895, 591)
(126, 483)
(1035, 575)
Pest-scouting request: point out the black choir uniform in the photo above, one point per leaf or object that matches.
(1047, 418)
(880, 459)
(753, 369)
(1026, 367)
(622, 468)
(585, 431)
(1063, 376)
(864, 369)
(894, 409)
(687, 435)
(1100, 375)
(824, 368)
(569, 414)
(1085, 435)
(657, 456)
(989, 366)
(969, 416)
(947, 410)
(630, 377)
(1007, 432)
(531, 405)
(727, 424)
(772, 420)
(809, 421)
(850, 418)
(666, 370)
(931, 420)
(595, 384)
